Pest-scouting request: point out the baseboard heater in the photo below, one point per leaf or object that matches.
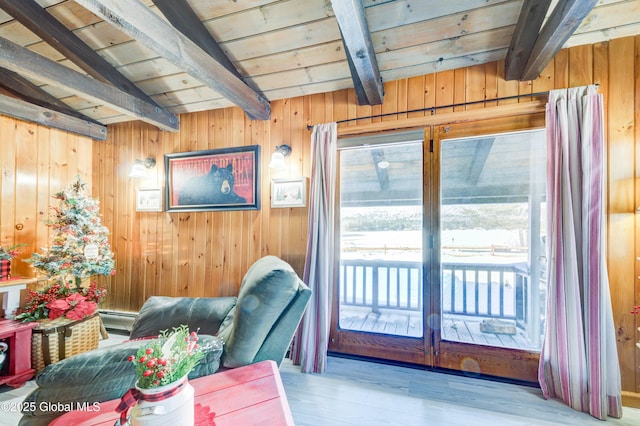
(116, 320)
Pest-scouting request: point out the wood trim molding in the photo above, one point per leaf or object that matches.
(525, 108)
(631, 399)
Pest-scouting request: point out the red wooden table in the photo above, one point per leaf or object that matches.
(251, 395)
(19, 340)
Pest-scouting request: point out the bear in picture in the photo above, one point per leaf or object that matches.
(216, 187)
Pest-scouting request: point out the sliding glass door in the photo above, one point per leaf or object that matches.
(490, 253)
(380, 310)
(442, 248)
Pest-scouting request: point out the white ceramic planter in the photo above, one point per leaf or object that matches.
(176, 410)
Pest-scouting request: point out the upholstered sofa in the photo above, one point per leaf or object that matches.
(256, 325)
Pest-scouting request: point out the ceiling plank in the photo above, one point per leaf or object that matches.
(564, 20)
(22, 110)
(31, 65)
(24, 89)
(149, 29)
(359, 48)
(40, 22)
(524, 37)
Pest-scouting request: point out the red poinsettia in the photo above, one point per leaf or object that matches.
(74, 306)
(61, 299)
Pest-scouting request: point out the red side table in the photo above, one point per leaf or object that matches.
(19, 335)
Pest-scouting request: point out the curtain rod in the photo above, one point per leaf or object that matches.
(434, 108)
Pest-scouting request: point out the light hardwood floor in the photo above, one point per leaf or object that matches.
(354, 392)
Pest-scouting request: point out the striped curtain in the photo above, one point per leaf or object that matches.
(311, 342)
(579, 360)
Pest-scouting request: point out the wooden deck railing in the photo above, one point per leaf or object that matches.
(485, 290)
(377, 283)
(479, 290)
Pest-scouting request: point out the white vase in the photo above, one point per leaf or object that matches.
(176, 409)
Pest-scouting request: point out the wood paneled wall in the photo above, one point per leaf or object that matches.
(36, 163)
(207, 253)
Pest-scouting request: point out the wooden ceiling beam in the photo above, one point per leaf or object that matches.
(180, 14)
(141, 23)
(26, 111)
(50, 30)
(184, 19)
(564, 20)
(359, 48)
(524, 37)
(31, 65)
(24, 89)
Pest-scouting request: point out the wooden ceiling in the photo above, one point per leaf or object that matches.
(81, 65)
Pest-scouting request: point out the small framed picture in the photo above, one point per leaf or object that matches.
(149, 200)
(289, 192)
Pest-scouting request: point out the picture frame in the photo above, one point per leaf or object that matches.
(212, 180)
(149, 199)
(291, 192)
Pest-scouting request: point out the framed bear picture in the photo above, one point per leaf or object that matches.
(217, 179)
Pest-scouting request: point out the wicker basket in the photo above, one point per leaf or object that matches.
(54, 340)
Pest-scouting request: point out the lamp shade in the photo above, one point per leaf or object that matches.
(277, 158)
(138, 171)
(277, 161)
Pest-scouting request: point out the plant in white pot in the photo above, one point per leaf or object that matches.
(162, 394)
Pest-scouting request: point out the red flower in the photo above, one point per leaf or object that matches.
(57, 308)
(74, 307)
(82, 309)
(59, 304)
(55, 313)
(74, 298)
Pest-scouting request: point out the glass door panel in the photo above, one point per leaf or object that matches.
(380, 296)
(380, 282)
(491, 249)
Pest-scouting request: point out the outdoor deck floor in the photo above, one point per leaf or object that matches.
(456, 328)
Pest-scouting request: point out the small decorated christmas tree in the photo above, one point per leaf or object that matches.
(80, 247)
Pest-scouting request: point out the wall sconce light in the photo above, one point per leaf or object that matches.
(139, 169)
(277, 158)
